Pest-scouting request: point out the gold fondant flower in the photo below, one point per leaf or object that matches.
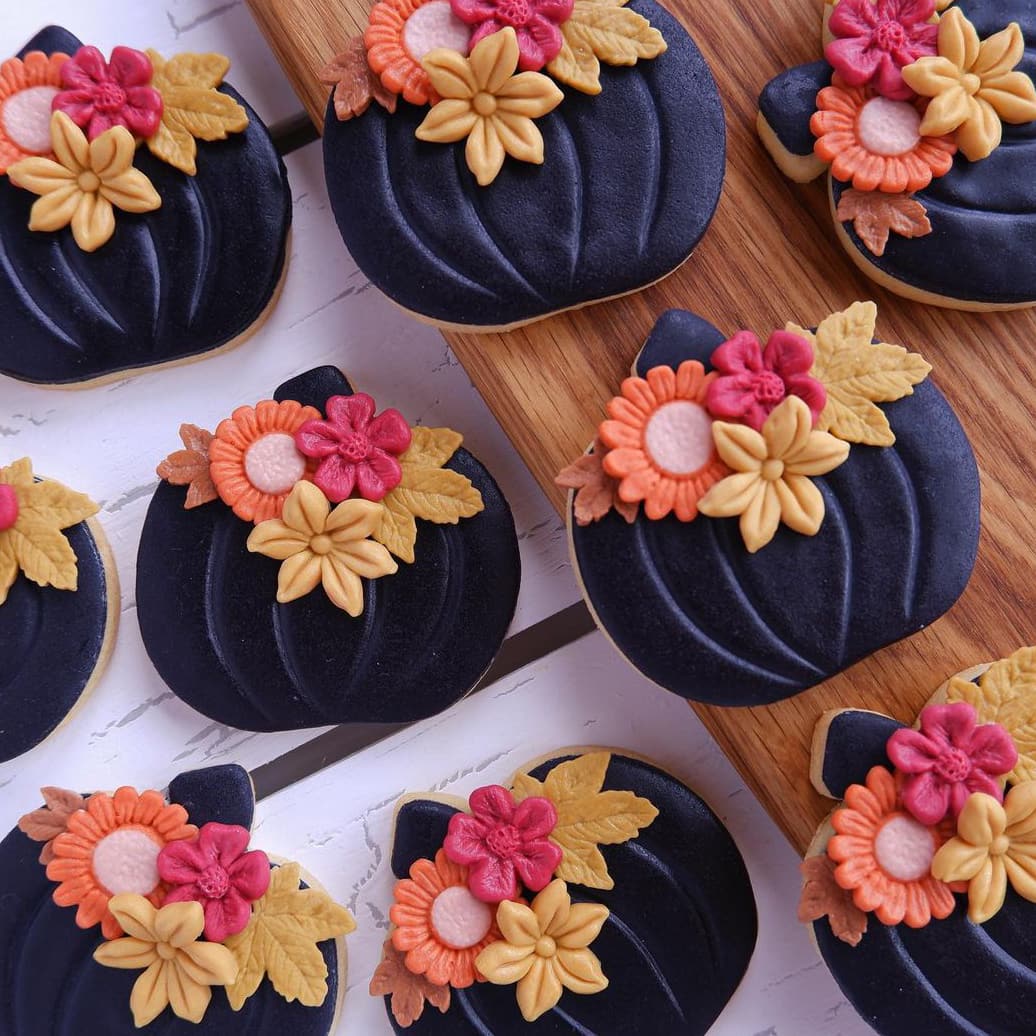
(317, 545)
(974, 85)
(84, 183)
(771, 481)
(179, 970)
(545, 949)
(485, 102)
(995, 844)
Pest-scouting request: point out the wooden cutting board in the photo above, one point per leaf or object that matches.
(769, 257)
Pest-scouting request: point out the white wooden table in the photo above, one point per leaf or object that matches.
(336, 820)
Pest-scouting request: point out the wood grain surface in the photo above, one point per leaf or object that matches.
(770, 256)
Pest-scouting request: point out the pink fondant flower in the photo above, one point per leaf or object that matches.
(875, 41)
(355, 448)
(534, 21)
(215, 870)
(99, 94)
(500, 842)
(753, 381)
(949, 759)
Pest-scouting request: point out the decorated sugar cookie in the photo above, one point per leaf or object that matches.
(920, 887)
(923, 117)
(316, 559)
(753, 518)
(126, 243)
(491, 162)
(155, 911)
(59, 604)
(596, 894)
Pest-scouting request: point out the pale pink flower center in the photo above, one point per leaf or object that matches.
(904, 848)
(435, 25)
(888, 128)
(127, 861)
(678, 437)
(273, 463)
(459, 919)
(26, 118)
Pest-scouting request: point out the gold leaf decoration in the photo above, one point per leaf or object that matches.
(822, 896)
(398, 529)
(597, 492)
(190, 466)
(355, 83)
(431, 447)
(438, 495)
(409, 992)
(34, 544)
(51, 819)
(876, 215)
(859, 373)
(281, 941)
(587, 816)
(1006, 694)
(192, 107)
(599, 32)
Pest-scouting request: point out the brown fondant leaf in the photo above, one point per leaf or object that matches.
(190, 466)
(597, 492)
(822, 896)
(49, 821)
(355, 83)
(875, 215)
(409, 991)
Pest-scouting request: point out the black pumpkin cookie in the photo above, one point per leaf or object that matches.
(314, 562)
(127, 240)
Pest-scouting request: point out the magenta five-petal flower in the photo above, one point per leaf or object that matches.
(535, 23)
(875, 41)
(948, 759)
(753, 381)
(356, 449)
(501, 842)
(100, 94)
(215, 870)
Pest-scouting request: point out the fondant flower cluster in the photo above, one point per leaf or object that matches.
(910, 88)
(746, 439)
(333, 496)
(948, 814)
(182, 905)
(480, 64)
(70, 126)
(463, 917)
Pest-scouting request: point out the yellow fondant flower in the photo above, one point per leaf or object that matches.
(545, 949)
(995, 844)
(974, 85)
(179, 970)
(318, 545)
(485, 102)
(772, 469)
(84, 183)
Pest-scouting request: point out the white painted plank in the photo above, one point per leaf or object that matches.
(338, 823)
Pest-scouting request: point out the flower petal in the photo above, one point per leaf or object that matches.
(761, 518)
(367, 558)
(519, 136)
(911, 751)
(378, 475)
(390, 431)
(131, 191)
(539, 991)
(788, 428)
(341, 584)
(135, 915)
(451, 74)
(187, 998)
(802, 506)
(42, 176)
(306, 509)
(529, 94)
(149, 997)
(93, 222)
(504, 963)
(987, 890)
(580, 971)
(1000, 53)
(447, 121)
(494, 60)
(982, 133)
(179, 923)
(535, 817)
(731, 496)
(112, 153)
(55, 210)
(484, 152)
(129, 953)
(70, 146)
(982, 820)
(581, 927)
(276, 540)
(740, 448)
(298, 576)
(518, 924)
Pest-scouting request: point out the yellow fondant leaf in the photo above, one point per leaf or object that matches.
(205, 70)
(437, 495)
(8, 568)
(575, 64)
(858, 373)
(17, 473)
(43, 554)
(431, 447)
(587, 816)
(398, 530)
(56, 504)
(281, 941)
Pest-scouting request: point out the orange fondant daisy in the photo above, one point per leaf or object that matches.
(111, 847)
(660, 444)
(876, 143)
(884, 855)
(440, 925)
(28, 86)
(253, 459)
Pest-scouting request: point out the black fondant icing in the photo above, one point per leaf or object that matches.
(982, 248)
(51, 986)
(856, 742)
(629, 185)
(679, 938)
(218, 637)
(221, 793)
(52, 641)
(170, 284)
(694, 611)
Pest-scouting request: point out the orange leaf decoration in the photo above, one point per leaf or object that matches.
(49, 821)
(354, 82)
(875, 215)
(597, 490)
(190, 466)
(822, 896)
(409, 991)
